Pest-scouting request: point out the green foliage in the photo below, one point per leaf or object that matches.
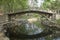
(13, 5)
(21, 29)
(51, 4)
(58, 21)
(36, 15)
(48, 38)
(38, 24)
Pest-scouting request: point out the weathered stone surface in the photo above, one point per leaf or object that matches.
(3, 37)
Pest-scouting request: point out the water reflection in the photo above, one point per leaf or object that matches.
(33, 29)
(57, 38)
(33, 26)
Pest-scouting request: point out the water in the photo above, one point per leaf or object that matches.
(33, 29)
(57, 38)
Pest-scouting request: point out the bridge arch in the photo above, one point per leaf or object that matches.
(40, 12)
(30, 36)
(31, 11)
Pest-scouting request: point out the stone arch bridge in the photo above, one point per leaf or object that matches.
(21, 12)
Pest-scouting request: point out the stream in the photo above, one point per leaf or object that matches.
(33, 29)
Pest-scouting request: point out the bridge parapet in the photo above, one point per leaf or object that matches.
(30, 10)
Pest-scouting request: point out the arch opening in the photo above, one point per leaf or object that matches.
(33, 19)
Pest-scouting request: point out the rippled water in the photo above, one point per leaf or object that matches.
(33, 29)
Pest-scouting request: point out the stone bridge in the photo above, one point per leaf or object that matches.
(21, 12)
(38, 11)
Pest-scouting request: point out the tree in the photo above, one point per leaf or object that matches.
(53, 5)
(13, 5)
